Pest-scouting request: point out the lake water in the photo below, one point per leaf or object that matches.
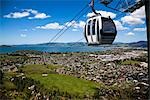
(47, 48)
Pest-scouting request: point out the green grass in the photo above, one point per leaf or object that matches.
(65, 83)
(129, 62)
(4, 57)
(75, 87)
(39, 69)
(8, 85)
(12, 59)
(8, 75)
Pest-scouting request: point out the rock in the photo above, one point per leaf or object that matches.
(130, 78)
(12, 79)
(31, 87)
(145, 79)
(137, 88)
(101, 71)
(94, 79)
(111, 81)
(141, 74)
(23, 77)
(97, 77)
(44, 75)
(32, 92)
(103, 98)
(144, 64)
(21, 74)
(145, 84)
(135, 81)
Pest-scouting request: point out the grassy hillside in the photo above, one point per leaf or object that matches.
(69, 84)
(59, 86)
(39, 69)
(64, 83)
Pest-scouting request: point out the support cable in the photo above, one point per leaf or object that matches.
(68, 23)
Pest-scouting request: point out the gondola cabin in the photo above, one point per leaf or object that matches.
(100, 30)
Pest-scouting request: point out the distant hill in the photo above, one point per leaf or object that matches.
(142, 44)
(66, 44)
(5, 46)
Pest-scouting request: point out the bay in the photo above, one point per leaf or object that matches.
(47, 48)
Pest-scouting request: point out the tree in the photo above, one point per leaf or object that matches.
(1, 76)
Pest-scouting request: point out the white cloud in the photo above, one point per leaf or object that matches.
(23, 35)
(27, 13)
(139, 13)
(132, 20)
(103, 13)
(70, 23)
(25, 30)
(130, 34)
(75, 30)
(39, 16)
(31, 11)
(137, 0)
(139, 29)
(54, 25)
(75, 24)
(33, 29)
(81, 24)
(135, 18)
(17, 15)
(119, 26)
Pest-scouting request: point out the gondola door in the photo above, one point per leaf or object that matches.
(88, 31)
(93, 31)
(98, 28)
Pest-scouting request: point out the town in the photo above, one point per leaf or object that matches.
(111, 67)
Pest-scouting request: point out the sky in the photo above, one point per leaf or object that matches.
(37, 21)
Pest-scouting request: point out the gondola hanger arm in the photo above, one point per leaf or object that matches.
(92, 6)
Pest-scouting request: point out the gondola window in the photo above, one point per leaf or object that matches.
(89, 23)
(108, 26)
(93, 27)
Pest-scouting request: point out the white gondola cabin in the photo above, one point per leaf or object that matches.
(100, 30)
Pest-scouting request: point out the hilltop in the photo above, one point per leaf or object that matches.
(142, 44)
(138, 44)
(5, 46)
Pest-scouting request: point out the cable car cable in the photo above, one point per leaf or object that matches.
(69, 23)
(118, 4)
(115, 7)
(69, 26)
(66, 25)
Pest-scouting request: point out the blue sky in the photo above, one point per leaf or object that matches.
(37, 21)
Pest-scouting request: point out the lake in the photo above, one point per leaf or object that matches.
(47, 48)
